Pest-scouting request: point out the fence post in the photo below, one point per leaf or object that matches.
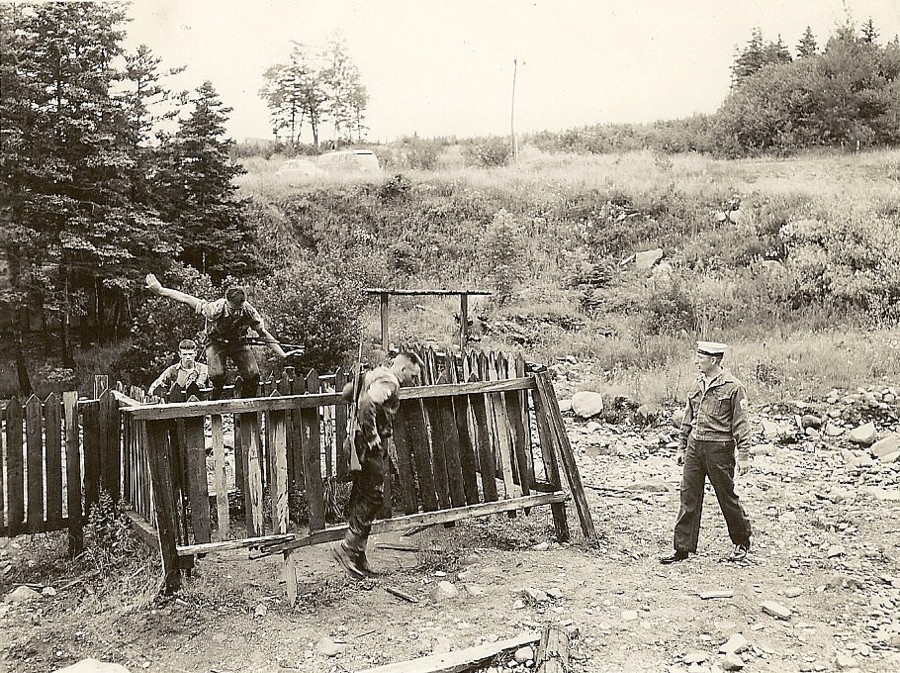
(164, 503)
(73, 474)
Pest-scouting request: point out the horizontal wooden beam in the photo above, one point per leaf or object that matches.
(460, 660)
(162, 412)
(225, 545)
(379, 290)
(423, 519)
(143, 530)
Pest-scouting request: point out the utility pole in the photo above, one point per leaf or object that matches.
(512, 118)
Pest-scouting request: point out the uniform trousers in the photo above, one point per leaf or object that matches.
(366, 495)
(715, 460)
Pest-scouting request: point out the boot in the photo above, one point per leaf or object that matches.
(350, 553)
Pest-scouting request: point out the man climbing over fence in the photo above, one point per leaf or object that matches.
(187, 374)
(375, 404)
(227, 322)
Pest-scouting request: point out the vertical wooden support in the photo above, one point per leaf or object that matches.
(239, 449)
(340, 428)
(220, 476)
(90, 426)
(551, 466)
(73, 474)
(438, 457)
(53, 460)
(197, 484)
(463, 321)
(504, 446)
(164, 503)
(101, 383)
(405, 469)
(417, 435)
(110, 449)
(565, 450)
(483, 443)
(34, 463)
(279, 484)
(385, 317)
(15, 468)
(312, 459)
(253, 488)
(450, 439)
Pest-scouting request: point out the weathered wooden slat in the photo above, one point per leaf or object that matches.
(405, 470)
(413, 413)
(239, 449)
(551, 465)
(553, 652)
(520, 371)
(520, 462)
(252, 486)
(438, 458)
(15, 468)
(484, 444)
(340, 428)
(468, 460)
(387, 502)
(228, 545)
(220, 477)
(164, 503)
(377, 290)
(568, 457)
(451, 452)
(382, 526)
(187, 409)
(73, 474)
(312, 467)
(34, 477)
(285, 387)
(198, 486)
(296, 431)
(53, 458)
(279, 484)
(110, 457)
(2, 471)
(90, 423)
(504, 447)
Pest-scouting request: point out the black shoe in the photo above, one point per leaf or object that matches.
(740, 552)
(674, 558)
(347, 560)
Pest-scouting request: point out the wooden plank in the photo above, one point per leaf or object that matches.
(377, 290)
(90, 415)
(382, 526)
(164, 503)
(144, 530)
(73, 474)
(438, 458)
(34, 477)
(385, 301)
(551, 465)
(279, 484)
(53, 458)
(514, 417)
(520, 371)
(252, 487)
(553, 652)
(312, 459)
(2, 469)
(405, 470)
(285, 387)
(483, 444)
(340, 428)
(504, 447)
(228, 545)
(197, 484)
(239, 448)
(416, 434)
(309, 401)
(450, 438)
(220, 477)
(15, 468)
(110, 458)
(458, 661)
(467, 457)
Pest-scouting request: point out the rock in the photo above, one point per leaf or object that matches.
(261, 610)
(890, 457)
(844, 661)
(737, 643)
(771, 430)
(593, 426)
(732, 662)
(650, 486)
(536, 595)
(92, 666)
(555, 593)
(565, 405)
(444, 590)
(541, 546)
(793, 592)
(647, 414)
(473, 590)
(835, 550)
(629, 615)
(328, 647)
(882, 493)
(834, 430)
(695, 657)
(646, 259)
(523, 654)
(888, 445)
(777, 610)
(48, 591)
(586, 404)
(810, 421)
(864, 435)
(762, 450)
(20, 595)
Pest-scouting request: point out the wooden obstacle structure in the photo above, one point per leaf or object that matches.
(481, 436)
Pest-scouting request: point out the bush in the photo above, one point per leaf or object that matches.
(502, 244)
(422, 154)
(489, 153)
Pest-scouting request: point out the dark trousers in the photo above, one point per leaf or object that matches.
(715, 460)
(366, 496)
(243, 359)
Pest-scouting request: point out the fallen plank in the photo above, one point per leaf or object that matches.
(459, 661)
(402, 594)
(723, 593)
(397, 547)
(553, 652)
(206, 548)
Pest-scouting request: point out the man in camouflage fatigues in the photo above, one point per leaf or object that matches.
(714, 428)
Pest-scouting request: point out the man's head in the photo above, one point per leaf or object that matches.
(709, 356)
(407, 367)
(235, 296)
(187, 351)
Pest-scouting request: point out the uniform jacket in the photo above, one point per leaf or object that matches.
(226, 326)
(378, 404)
(717, 413)
(183, 377)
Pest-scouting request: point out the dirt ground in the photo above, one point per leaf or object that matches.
(826, 548)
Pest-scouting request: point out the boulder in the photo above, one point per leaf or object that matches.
(646, 259)
(586, 404)
(92, 666)
(864, 435)
(883, 447)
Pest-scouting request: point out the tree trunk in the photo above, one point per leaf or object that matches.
(553, 652)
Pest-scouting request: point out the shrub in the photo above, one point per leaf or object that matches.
(502, 243)
(422, 154)
(489, 153)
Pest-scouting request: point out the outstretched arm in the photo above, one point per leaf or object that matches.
(156, 288)
(271, 341)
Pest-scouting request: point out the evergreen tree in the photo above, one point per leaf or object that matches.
(869, 33)
(807, 46)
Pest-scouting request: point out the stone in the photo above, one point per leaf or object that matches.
(536, 595)
(834, 430)
(762, 450)
(777, 610)
(863, 435)
(593, 426)
(646, 259)
(835, 550)
(793, 592)
(890, 457)
(21, 594)
(811, 421)
(629, 615)
(474, 590)
(771, 430)
(261, 610)
(555, 593)
(882, 493)
(737, 643)
(586, 404)
(844, 661)
(888, 445)
(650, 486)
(328, 647)
(541, 546)
(444, 590)
(48, 591)
(565, 405)
(695, 657)
(92, 666)
(732, 662)
(523, 654)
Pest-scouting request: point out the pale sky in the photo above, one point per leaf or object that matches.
(446, 68)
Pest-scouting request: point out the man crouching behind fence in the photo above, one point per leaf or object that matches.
(376, 404)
